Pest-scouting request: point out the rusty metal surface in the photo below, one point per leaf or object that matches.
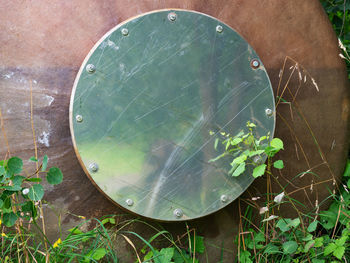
(43, 45)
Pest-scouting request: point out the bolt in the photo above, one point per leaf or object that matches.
(219, 28)
(224, 198)
(129, 202)
(93, 167)
(172, 16)
(79, 118)
(125, 31)
(255, 63)
(268, 112)
(178, 213)
(90, 68)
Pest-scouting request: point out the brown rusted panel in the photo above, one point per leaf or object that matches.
(43, 44)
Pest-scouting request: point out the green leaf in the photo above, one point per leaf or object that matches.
(12, 188)
(75, 231)
(271, 249)
(15, 165)
(347, 169)
(319, 242)
(199, 243)
(240, 169)
(278, 164)
(290, 247)
(98, 253)
(1, 203)
(17, 180)
(253, 153)
(315, 260)
(259, 170)
(34, 180)
(33, 159)
(328, 219)
(283, 224)
(341, 241)
(30, 207)
(36, 192)
(240, 159)
(276, 143)
(236, 141)
(339, 252)
(245, 257)
(309, 245)
(312, 227)
(54, 176)
(329, 249)
(9, 219)
(44, 166)
(294, 223)
(250, 124)
(216, 143)
(164, 255)
(2, 170)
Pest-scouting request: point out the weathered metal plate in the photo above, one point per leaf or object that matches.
(144, 102)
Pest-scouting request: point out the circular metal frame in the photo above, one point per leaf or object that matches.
(88, 70)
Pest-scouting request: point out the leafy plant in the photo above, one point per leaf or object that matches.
(246, 149)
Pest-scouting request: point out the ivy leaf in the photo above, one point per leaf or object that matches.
(276, 143)
(9, 219)
(290, 247)
(259, 170)
(312, 227)
(44, 166)
(36, 192)
(54, 176)
(240, 169)
(278, 164)
(15, 165)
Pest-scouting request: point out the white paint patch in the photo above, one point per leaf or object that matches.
(44, 138)
(112, 45)
(50, 99)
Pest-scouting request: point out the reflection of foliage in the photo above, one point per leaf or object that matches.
(246, 149)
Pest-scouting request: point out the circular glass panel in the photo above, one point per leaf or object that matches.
(145, 101)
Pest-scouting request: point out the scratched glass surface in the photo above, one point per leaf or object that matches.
(149, 107)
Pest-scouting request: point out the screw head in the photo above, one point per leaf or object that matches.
(268, 112)
(79, 118)
(90, 68)
(125, 31)
(129, 202)
(219, 28)
(255, 63)
(93, 167)
(172, 16)
(178, 213)
(224, 198)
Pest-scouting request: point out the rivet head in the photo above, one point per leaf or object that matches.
(255, 63)
(219, 28)
(90, 68)
(224, 198)
(268, 112)
(79, 118)
(178, 213)
(129, 202)
(93, 167)
(172, 16)
(125, 31)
